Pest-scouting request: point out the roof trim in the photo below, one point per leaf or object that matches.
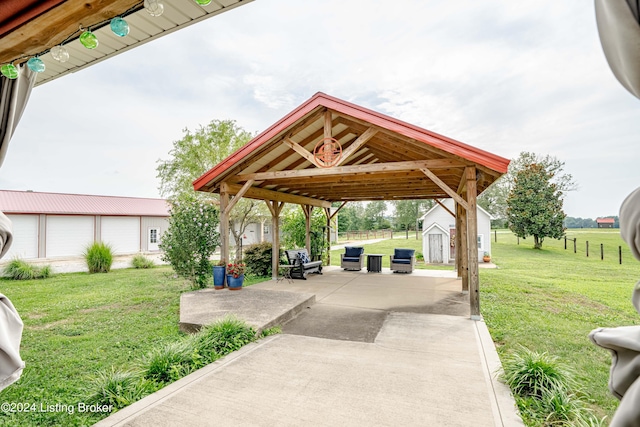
(319, 100)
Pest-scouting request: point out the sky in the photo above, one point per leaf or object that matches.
(499, 75)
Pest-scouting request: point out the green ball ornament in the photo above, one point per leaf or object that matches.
(9, 71)
(89, 40)
(203, 2)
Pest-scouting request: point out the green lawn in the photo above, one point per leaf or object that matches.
(77, 324)
(550, 299)
(386, 248)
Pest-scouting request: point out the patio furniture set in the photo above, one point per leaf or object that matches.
(299, 264)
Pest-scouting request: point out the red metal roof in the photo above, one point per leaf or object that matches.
(29, 202)
(605, 221)
(320, 99)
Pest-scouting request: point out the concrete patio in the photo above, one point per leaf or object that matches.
(374, 349)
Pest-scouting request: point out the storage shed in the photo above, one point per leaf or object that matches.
(438, 233)
(54, 225)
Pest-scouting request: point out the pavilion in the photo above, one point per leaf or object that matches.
(328, 152)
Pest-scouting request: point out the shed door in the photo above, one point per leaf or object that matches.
(25, 237)
(122, 233)
(68, 235)
(435, 248)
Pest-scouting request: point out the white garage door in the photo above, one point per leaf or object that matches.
(122, 233)
(68, 235)
(25, 237)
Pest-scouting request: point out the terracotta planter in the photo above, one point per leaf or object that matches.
(486, 258)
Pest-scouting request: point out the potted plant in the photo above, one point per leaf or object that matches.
(486, 257)
(219, 271)
(235, 275)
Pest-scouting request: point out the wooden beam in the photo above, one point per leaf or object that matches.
(362, 139)
(445, 208)
(300, 150)
(55, 25)
(328, 125)
(432, 176)
(263, 194)
(338, 210)
(472, 238)
(457, 242)
(354, 170)
(238, 196)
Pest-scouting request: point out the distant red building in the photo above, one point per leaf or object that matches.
(605, 222)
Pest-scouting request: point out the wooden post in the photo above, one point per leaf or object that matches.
(224, 223)
(601, 251)
(275, 208)
(464, 259)
(575, 247)
(308, 210)
(495, 236)
(565, 243)
(327, 212)
(620, 254)
(472, 243)
(587, 248)
(457, 241)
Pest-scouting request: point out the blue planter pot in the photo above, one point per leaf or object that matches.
(218, 276)
(235, 283)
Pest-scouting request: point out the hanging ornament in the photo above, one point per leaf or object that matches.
(89, 40)
(203, 2)
(119, 27)
(9, 71)
(36, 65)
(60, 53)
(154, 7)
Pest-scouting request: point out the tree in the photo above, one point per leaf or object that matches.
(374, 216)
(350, 218)
(294, 229)
(494, 198)
(191, 239)
(407, 212)
(195, 154)
(534, 206)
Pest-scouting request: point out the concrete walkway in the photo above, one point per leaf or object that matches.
(374, 350)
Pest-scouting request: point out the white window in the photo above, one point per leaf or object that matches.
(480, 241)
(266, 229)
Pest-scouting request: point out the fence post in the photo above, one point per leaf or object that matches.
(620, 254)
(518, 237)
(587, 249)
(565, 243)
(601, 251)
(495, 236)
(575, 249)
(391, 233)
(407, 238)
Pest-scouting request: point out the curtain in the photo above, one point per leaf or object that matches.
(14, 95)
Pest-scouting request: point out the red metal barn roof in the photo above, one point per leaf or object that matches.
(605, 221)
(29, 202)
(384, 158)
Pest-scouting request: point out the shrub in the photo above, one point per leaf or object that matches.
(141, 261)
(257, 258)
(117, 388)
(168, 362)
(191, 239)
(18, 269)
(271, 331)
(223, 337)
(529, 373)
(99, 257)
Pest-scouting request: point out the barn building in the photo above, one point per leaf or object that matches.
(54, 225)
(605, 222)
